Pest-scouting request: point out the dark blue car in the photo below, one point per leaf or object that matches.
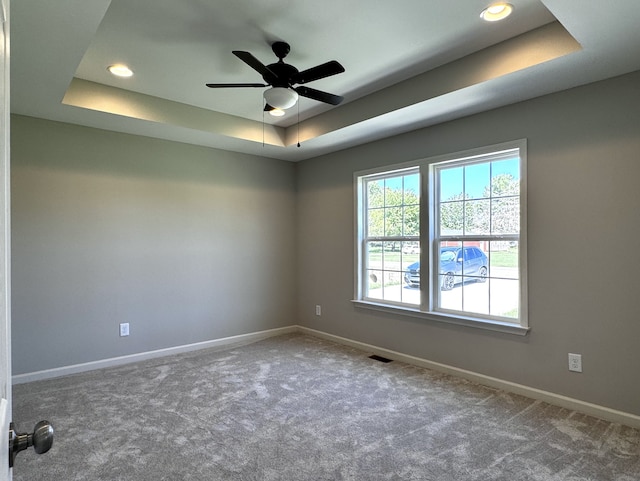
(453, 261)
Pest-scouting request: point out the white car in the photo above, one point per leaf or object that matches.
(411, 249)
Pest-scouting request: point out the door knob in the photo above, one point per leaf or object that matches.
(41, 439)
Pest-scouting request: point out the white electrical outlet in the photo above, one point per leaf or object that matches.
(318, 310)
(124, 329)
(575, 362)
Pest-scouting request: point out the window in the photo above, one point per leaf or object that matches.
(391, 235)
(445, 238)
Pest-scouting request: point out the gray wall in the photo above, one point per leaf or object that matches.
(584, 239)
(185, 243)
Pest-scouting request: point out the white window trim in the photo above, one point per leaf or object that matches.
(427, 191)
(362, 239)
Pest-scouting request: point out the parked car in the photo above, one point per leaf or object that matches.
(411, 249)
(453, 261)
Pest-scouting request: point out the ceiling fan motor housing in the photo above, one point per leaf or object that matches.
(281, 49)
(285, 73)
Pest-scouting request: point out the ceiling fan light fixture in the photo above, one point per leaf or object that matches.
(497, 11)
(120, 70)
(281, 97)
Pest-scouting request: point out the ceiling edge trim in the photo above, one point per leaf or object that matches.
(103, 98)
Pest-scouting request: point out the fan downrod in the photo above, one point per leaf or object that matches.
(281, 49)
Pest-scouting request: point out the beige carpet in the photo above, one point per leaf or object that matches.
(298, 408)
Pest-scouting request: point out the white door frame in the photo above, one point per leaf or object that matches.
(5, 247)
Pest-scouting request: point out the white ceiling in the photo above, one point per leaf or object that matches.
(426, 62)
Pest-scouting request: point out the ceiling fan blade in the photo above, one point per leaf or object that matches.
(320, 71)
(257, 65)
(314, 94)
(220, 86)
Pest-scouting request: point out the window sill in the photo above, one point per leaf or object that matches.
(457, 320)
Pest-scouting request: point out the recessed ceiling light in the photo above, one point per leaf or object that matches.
(120, 70)
(276, 112)
(496, 12)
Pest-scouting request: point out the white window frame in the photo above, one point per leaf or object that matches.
(365, 238)
(428, 239)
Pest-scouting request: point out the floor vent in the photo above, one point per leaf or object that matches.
(380, 358)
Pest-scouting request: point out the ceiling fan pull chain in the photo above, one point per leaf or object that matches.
(298, 124)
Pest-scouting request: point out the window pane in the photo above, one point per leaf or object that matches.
(411, 220)
(386, 268)
(504, 260)
(389, 285)
(477, 217)
(373, 258)
(504, 297)
(451, 184)
(412, 189)
(411, 251)
(475, 296)
(393, 221)
(390, 252)
(452, 218)
(463, 275)
(505, 177)
(450, 265)
(375, 193)
(411, 273)
(471, 295)
(393, 286)
(410, 295)
(375, 222)
(393, 191)
(450, 298)
(411, 267)
(505, 215)
(504, 273)
(476, 181)
(374, 284)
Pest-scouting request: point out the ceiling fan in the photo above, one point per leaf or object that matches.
(283, 79)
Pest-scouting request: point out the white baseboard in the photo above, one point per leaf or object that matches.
(595, 410)
(590, 409)
(117, 361)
